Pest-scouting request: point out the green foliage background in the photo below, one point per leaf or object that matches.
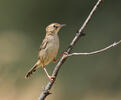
(22, 28)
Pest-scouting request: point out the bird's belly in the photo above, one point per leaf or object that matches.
(49, 54)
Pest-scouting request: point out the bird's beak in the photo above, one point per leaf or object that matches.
(62, 25)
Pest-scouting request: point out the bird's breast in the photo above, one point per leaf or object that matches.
(51, 50)
(53, 46)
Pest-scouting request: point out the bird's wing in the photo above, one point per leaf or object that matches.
(44, 44)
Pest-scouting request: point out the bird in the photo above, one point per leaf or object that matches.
(48, 49)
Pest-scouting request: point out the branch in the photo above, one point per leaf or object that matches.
(79, 34)
(95, 52)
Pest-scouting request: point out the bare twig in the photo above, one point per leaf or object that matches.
(95, 52)
(79, 34)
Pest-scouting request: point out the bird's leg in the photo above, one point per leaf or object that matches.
(50, 77)
(62, 54)
(56, 59)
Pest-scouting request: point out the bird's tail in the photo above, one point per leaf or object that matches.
(33, 69)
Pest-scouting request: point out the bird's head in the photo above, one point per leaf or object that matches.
(54, 28)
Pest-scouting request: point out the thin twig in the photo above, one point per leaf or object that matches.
(79, 34)
(95, 52)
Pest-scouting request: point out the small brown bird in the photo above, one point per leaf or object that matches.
(48, 49)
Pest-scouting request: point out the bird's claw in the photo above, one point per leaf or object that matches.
(65, 54)
(51, 78)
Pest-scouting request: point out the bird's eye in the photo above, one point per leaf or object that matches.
(55, 26)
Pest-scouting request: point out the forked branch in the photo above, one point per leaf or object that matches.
(79, 34)
(95, 52)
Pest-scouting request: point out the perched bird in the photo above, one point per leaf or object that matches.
(48, 49)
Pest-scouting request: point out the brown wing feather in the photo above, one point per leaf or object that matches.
(44, 44)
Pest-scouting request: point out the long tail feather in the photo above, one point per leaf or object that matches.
(33, 69)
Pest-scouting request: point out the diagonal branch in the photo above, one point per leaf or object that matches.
(95, 52)
(79, 34)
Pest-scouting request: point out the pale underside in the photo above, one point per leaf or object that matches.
(48, 50)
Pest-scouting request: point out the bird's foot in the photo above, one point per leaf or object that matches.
(51, 78)
(62, 54)
(65, 54)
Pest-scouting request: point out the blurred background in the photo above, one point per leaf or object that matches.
(22, 29)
